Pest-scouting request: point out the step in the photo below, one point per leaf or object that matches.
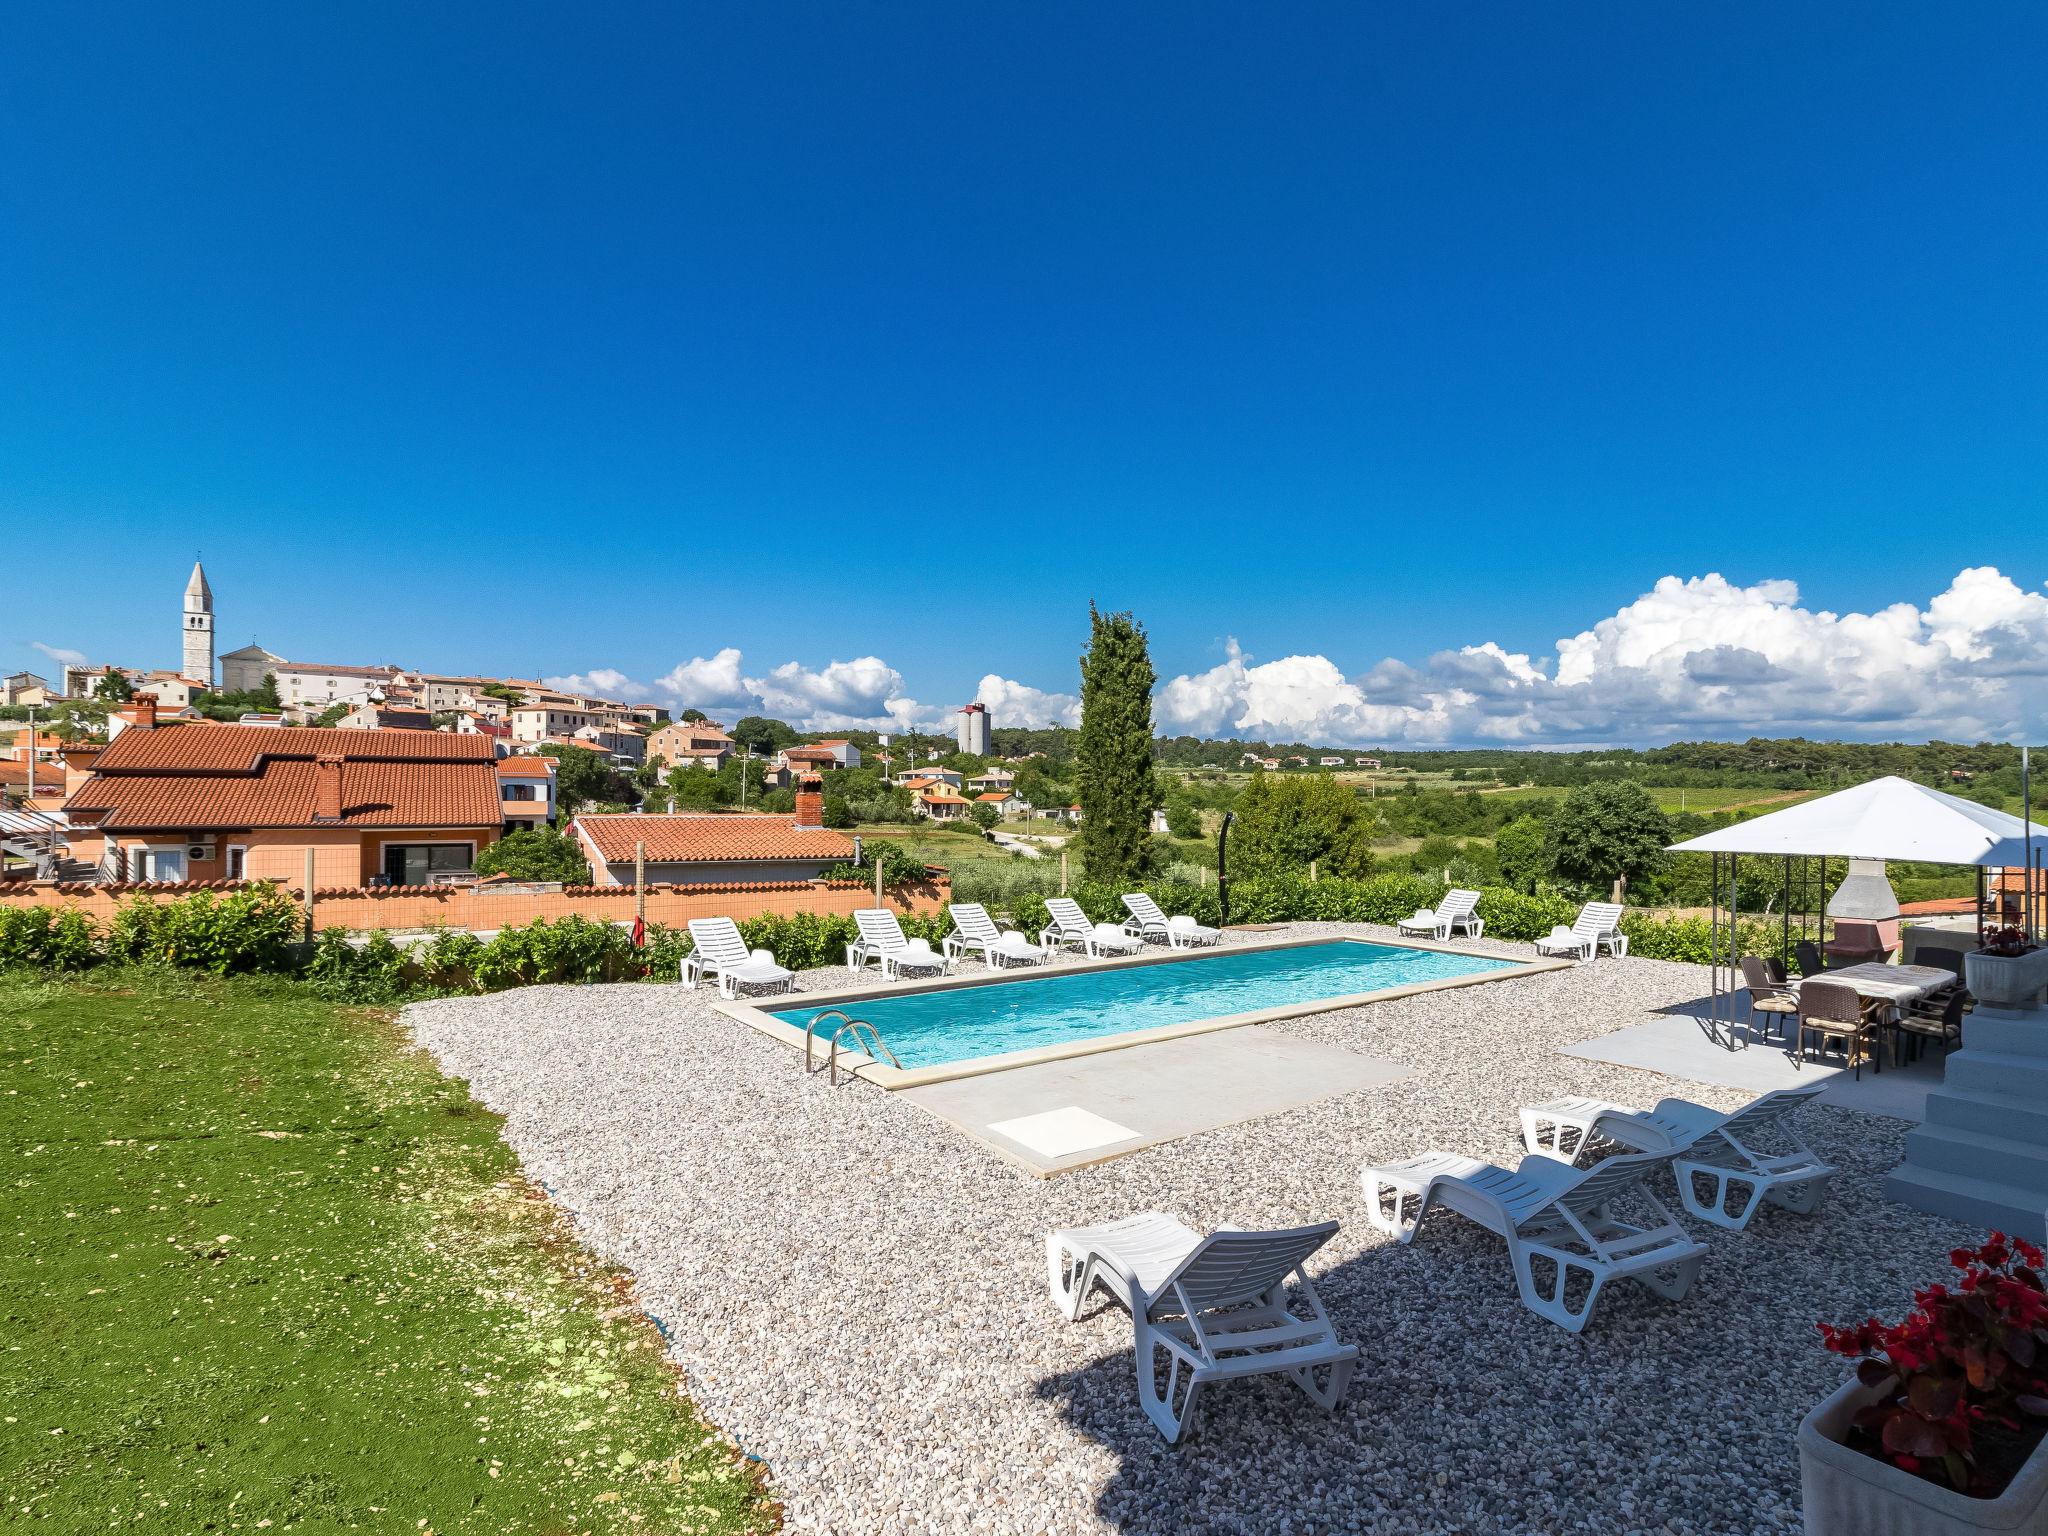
(1973, 1071)
(1979, 1202)
(1953, 1149)
(2007, 1034)
(2016, 1116)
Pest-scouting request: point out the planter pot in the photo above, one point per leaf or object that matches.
(2010, 982)
(1847, 1493)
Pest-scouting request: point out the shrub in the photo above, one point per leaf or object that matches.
(371, 972)
(448, 961)
(536, 853)
(1968, 1370)
(52, 938)
(567, 949)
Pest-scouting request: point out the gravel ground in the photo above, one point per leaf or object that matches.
(857, 1291)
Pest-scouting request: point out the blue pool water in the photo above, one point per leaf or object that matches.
(929, 1029)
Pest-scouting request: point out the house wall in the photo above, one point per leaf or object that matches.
(342, 856)
(704, 873)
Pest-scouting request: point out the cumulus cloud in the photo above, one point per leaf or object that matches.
(1692, 656)
(1013, 703)
(62, 655)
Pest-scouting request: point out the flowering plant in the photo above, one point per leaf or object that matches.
(2006, 942)
(1968, 1369)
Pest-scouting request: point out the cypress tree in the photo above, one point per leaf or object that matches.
(1113, 753)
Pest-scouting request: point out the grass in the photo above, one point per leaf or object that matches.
(266, 1268)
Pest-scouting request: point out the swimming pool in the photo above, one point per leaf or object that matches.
(943, 1025)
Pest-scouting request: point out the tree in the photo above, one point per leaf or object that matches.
(693, 717)
(837, 811)
(267, 697)
(332, 714)
(584, 777)
(983, 814)
(764, 737)
(1606, 831)
(1285, 822)
(1523, 858)
(1183, 816)
(1113, 760)
(536, 853)
(114, 687)
(693, 787)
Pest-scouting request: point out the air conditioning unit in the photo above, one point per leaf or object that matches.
(199, 850)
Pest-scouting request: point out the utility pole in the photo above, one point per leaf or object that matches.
(31, 751)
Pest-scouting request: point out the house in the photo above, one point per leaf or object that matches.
(526, 786)
(1269, 762)
(535, 723)
(623, 747)
(844, 754)
(1007, 805)
(1066, 813)
(711, 848)
(1251, 760)
(941, 804)
(171, 690)
(1365, 762)
(260, 717)
(230, 802)
(819, 759)
(1329, 761)
(24, 688)
(926, 778)
(1297, 762)
(382, 717)
(305, 688)
(997, 779)
(684, 743)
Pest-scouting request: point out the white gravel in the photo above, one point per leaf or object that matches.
(857, 1292)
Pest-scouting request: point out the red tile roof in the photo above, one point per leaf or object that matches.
(688, 839)
(526, 767)
(261, 776)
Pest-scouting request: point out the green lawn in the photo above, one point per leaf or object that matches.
(264, 1267)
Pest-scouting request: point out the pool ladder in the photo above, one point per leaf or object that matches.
(874, 1045)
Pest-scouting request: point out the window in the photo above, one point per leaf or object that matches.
(237, 860)
(518, 791)
(417, 863)
(156, 863)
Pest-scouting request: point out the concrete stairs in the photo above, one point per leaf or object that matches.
(1982, 1154)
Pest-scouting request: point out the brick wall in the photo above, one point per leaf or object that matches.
(367, 909)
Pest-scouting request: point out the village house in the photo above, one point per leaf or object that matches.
(535, 723)
(24, 688)
(230, 802)
(713, 848)
(1329, 760)
(305, 688)
(385, 717)
(1365, 762)
(690, 742)
(941, 804)
(994, 779)
(527, 788)
(627, 748)
(927, 778)
(1005, 803)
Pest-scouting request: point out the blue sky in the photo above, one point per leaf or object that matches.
(516, 339)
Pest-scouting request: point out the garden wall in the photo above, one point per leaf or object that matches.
(373, 909)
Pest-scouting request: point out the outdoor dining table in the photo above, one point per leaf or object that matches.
(1898, 985)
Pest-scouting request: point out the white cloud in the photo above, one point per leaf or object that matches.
(1019, 704)
(1689, 657)
(63, 656)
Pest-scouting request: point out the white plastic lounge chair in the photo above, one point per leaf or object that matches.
(1712, 1148)
(1455, 911)
(1148, 921)
(1206, 1308)
(974, 929)
(1557, 1221)
(716, 949)
(1070, 925)
(881, 940)
(1599, 922)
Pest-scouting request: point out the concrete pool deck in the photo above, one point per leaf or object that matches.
(856, 1291)
(1150, 1093)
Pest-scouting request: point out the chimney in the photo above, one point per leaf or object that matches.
(327, 786)
(141, 712)
(810, 801)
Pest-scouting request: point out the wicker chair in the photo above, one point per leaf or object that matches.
(1937, 1018)
(1811, 961)
(1835, 1012)
(1768, 995)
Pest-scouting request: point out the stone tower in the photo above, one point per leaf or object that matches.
(198, 660)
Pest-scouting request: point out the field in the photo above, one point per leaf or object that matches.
(265, 1267)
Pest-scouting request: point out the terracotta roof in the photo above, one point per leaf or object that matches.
(688, 839)
(942, 797)
(261, 776)
(809, 755)
(996, 794)
(337, 671)
(526, 767)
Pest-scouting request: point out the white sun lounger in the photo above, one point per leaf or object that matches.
(1070, 925)
(1206, 1309)
(974, 929)
(1455, 911)
(1149, 921)
(1556, 1220)
(1598, 923)
(716, 949)
(1713, 1149)
(882, 940)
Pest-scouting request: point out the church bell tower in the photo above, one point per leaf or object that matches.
(198, 658)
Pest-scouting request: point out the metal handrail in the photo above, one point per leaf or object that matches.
(856, 1026)
(816, 1020)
